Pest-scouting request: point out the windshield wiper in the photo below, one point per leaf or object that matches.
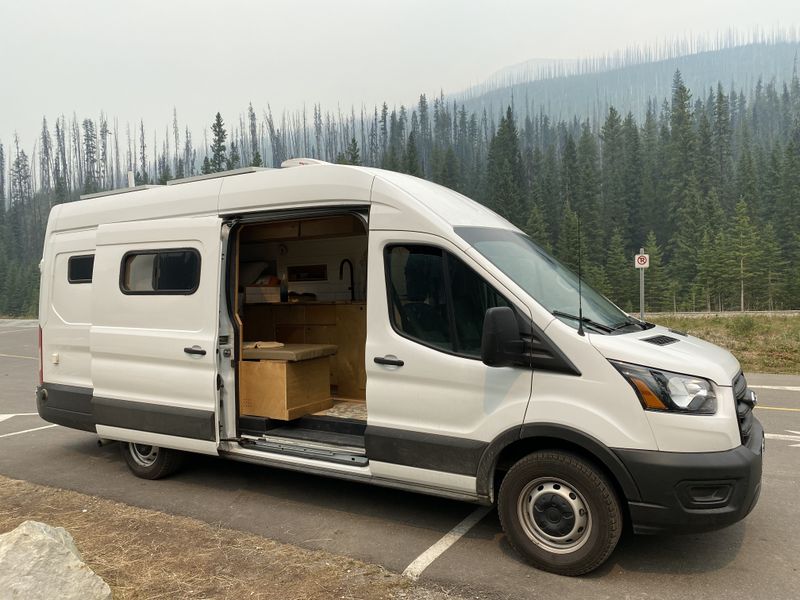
(585, 320)
(628, 322)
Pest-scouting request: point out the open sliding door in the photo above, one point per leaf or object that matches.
(154, 333)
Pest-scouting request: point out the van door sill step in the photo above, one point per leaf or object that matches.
(315, 452)
(316, 436)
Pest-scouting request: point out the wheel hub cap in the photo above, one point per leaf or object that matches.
(554, 515)
(144, 455)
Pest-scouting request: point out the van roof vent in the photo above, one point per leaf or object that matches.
(660, 340)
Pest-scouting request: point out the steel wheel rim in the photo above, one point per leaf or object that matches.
(554, 515)
(143, 455)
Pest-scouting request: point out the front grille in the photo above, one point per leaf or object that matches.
(660, 340)
(744, 407)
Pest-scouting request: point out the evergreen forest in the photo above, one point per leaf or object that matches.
(707, 181)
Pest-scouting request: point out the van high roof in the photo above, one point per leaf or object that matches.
(308, 182)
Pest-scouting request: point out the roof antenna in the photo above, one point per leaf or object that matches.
(580, 279)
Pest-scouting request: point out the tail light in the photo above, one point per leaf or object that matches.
(41, 362)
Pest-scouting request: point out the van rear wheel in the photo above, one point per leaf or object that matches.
(559, 512)
(150, 462)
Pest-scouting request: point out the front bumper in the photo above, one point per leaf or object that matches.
(685, 492)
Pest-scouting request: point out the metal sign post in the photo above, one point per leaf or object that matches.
(641, 261)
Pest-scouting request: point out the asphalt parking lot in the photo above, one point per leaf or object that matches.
(757, 558)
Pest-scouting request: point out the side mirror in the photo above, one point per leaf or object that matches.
(501, 344)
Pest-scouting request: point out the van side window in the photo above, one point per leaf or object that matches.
(436, 299)
(79, 268)
(160, 272)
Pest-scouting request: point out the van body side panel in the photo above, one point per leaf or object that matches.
(600, 402)
(144, 378)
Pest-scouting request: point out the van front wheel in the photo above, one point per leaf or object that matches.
(150, 462)
(559, 512)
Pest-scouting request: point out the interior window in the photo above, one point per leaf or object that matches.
(161, 272)
(437, 299)
(79, 268)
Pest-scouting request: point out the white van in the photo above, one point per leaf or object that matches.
(368, 325)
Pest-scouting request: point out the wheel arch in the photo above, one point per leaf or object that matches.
(515, 443)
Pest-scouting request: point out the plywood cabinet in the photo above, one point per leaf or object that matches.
(349, 362)
(344, 325)
(279, 389)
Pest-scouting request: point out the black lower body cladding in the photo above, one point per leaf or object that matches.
(79, 408)
(685, 492)
(66, 405)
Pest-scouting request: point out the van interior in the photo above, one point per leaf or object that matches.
(300, 304)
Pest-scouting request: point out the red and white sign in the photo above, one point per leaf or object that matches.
(642, 261)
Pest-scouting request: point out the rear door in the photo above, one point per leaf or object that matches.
(154, 333)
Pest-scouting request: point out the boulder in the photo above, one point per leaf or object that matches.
(40, 561)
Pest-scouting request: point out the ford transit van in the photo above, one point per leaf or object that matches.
(373, 326)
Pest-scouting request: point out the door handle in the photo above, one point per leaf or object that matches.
(197, 350)
(389, 360)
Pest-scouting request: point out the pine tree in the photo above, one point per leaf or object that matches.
(619, 271)
(141, 176)
(412, 155)
(658, 296)
(218, 160)
(256, 160)
(90, 183)
(612, 188)
(744, 257)
(352, 154)
(587, 188)
(567, 246)
(234, 160)
(2, 180)
(535, 228)
(771, 269)
(505, 189)
(722, 143)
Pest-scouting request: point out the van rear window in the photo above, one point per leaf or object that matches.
(160, 272)
(79, 268)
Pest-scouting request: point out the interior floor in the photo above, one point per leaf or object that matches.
(345, 409)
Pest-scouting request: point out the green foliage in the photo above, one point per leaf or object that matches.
(351, 155)
(218, 161)
(708, 183)
(504, 172)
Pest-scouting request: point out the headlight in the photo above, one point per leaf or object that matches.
(665, 391)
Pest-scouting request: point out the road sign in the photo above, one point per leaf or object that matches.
(642, 261)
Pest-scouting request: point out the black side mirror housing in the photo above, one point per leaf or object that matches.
(501, 344)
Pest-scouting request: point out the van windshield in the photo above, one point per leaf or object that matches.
(545, 279)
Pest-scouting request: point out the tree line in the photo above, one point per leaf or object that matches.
(708, 182)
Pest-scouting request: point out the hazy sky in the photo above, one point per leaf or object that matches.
(140, 58)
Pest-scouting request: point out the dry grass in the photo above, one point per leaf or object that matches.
(762, 343)
(143, 553)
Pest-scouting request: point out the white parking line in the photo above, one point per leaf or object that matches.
(5, 435)
(8, 416)
(18, 356)
(424, 560)
(785, 388)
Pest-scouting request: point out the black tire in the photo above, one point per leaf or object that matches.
(150, 462)
(535, 502)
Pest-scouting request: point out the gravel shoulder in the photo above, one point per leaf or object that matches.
(144, 553)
